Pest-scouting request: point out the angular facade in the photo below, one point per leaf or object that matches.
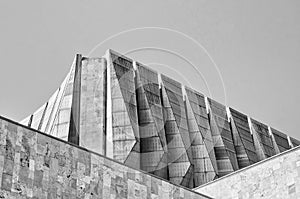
(178, 141)
(262, 140)
(243, 139)
(125, 132)
(154, 156)
(124, 110)
(280, 141)
(203, 153)
(222, 138)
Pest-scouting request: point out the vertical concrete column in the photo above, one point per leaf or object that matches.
(93, 105)
(73, 135)
(109, 136)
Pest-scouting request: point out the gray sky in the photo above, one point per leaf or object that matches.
(256, 45)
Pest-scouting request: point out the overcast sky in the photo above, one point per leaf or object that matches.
(255, 45)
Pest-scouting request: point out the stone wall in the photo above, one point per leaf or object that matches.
(275, 178)
(35, 165)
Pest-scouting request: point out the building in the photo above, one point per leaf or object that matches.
(125, 111)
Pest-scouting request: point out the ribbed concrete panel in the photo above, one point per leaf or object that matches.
(151, 125)
(243, 140)
(57, 102)
(281, 140)
(43, 118)
(295, 142)
(37, 116)
(93, 105)
(26, 121)
(179, 145)
(205, 165)
(62, 113)
(49, 110)
(263, 140)
(126, 141)
(223, 139)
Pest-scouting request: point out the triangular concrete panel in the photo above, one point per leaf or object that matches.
(205, 166)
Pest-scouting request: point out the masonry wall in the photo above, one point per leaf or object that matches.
(35, 165)
(275, 178)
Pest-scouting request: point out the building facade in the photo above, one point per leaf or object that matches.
(124, 110)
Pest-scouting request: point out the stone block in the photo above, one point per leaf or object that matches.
(6, 182)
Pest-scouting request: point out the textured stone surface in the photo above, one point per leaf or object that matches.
(92, 105)
(275, 178)
(35, 165)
